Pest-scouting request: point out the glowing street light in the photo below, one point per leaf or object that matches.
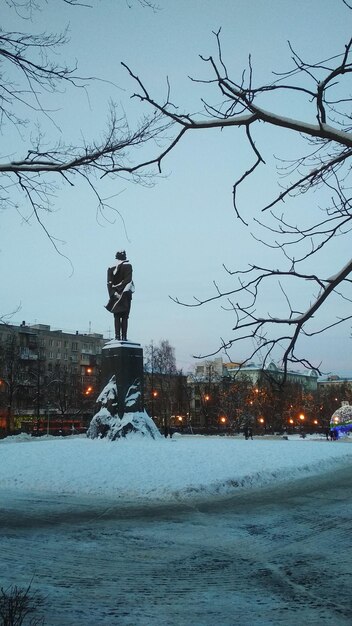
(302, 417)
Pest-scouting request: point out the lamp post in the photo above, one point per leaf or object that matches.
(206, 408)
(51, 382)
(8, 418)
(154, 396)
(222, 421)
(302, 417)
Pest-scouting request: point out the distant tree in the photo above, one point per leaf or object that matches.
(165, 392)
(20, 378)
(278, 403)
(323, 165)
(234, 400)
(62, 392)
(11, 377)
(331, 397)
(205, 388)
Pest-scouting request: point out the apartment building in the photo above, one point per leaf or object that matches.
(34, 356)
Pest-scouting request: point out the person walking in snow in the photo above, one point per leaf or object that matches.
(120, 287)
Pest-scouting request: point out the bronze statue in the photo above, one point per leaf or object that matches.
(120, 288)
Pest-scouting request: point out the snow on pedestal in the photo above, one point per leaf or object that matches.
(107, 423)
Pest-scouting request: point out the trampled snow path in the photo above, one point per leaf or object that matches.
(275, 556)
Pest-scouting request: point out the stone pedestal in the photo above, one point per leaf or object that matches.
(124, 360)
(121, 412)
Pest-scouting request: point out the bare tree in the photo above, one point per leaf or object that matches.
(31, 76)
(11, 378)
(324, 165)
(161, 380)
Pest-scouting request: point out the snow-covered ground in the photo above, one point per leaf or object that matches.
(182, 468)
(134, 532)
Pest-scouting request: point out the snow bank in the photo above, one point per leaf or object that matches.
(176, 469)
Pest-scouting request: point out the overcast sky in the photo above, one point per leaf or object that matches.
(179, 232)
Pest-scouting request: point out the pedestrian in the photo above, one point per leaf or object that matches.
(250, 433)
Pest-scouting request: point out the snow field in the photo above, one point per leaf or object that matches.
(165, 470)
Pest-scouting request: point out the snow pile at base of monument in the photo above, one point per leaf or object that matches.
(130, 425)
(107, 423)
(142, 469)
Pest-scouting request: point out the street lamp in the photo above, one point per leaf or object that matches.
(154, 397)
(51, 382)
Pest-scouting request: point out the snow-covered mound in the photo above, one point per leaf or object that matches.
(181, 468)
(135, 421)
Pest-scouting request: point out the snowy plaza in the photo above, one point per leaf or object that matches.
(197, 530)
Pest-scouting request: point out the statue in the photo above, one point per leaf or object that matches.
(120, 404)
(120, 288)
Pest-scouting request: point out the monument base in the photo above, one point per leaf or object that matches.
(121, 411)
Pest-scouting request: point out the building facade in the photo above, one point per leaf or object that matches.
(43, 369)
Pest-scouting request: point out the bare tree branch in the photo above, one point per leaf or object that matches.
(325, 166)
(30, 74)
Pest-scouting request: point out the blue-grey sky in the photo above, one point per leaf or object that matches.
(179, 232)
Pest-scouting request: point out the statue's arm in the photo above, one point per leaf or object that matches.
(109, 281)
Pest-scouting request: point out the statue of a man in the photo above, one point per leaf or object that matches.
(120, 288)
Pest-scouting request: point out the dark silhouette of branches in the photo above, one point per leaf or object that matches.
(30, 75)
(325, 165)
